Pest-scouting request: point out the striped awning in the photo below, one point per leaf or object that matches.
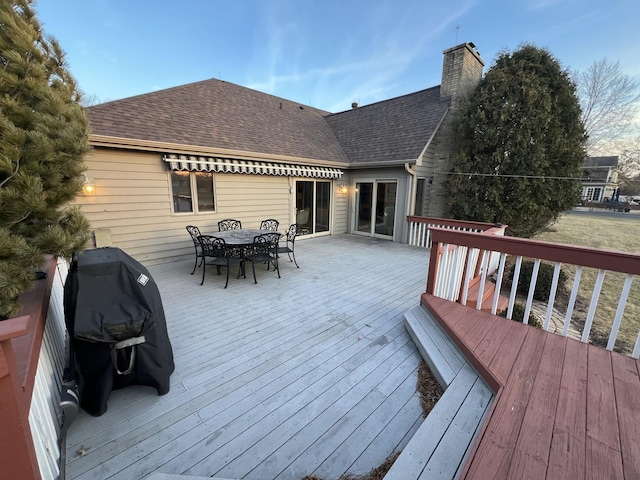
(252, 167)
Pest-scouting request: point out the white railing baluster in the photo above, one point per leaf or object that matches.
(592, 306)
(622, 303)
(443, 271)
(468, 275)
(496, 293)
(484, 265)
(514, 286)
(552, 296)
(451, 293)
(572, 301)
(532, 288)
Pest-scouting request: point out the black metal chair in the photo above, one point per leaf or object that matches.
(264, 250)
(229, 224)
(269, 224)
(215, 252)
(195, 233)
(288, 246)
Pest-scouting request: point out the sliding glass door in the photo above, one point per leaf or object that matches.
(376, 207)
(313, 206)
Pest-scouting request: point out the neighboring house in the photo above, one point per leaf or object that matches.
(599, 179)
(199, 153)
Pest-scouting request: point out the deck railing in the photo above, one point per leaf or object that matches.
(420, 235)
(455, 257)
(32, 357)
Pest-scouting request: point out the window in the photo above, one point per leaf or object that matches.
(593, 194)
(190, 189)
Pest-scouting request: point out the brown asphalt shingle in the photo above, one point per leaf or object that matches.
(218, 114)
(393, 130)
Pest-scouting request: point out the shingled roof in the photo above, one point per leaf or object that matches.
(217, 114)
(393, 130)
(591, 162)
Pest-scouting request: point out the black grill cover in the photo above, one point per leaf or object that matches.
(108, 298)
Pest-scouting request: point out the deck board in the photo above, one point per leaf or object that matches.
(564, 409)
(627, 388)
(275, 377)
(567, 451)
(494, 458)
(534, 438)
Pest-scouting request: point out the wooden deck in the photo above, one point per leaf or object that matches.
(313, 373)
(563, 409)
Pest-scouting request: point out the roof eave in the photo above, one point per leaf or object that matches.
(106, 141)
(387, 163)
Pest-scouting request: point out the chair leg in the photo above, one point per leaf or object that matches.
(275, 265)
(293, 252)
(228, 268)
(253, 267)
(204, 269)
(194, 266)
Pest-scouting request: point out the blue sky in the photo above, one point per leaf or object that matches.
(323, 53)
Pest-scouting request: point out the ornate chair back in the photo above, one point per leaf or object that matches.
(195, 234)
(269, 224)
(229, 224)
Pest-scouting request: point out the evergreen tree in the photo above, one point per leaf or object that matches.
(43, 137)
(519, 145)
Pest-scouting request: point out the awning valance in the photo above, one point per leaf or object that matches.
(255, 167)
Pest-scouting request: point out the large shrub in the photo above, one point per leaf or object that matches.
(43, 138)
(519, 145)
(543, 281)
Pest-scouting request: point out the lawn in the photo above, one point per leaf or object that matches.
(622, 233)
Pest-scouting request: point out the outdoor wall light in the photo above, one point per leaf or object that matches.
(89, 186)
(342, 188)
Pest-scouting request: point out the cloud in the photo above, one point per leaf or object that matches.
(543, 4)
(368, 63)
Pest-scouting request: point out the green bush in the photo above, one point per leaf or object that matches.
(518, 315)
(543, 283)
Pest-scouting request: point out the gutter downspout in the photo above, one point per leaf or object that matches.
(411, 200)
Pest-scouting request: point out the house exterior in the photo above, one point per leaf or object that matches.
(599, 179)
(199, 153)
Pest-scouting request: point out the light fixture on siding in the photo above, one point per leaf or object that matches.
(342, 188)
(89, 186)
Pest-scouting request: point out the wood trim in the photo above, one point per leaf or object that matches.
(430, 302)
(26, 348)
(20, 343)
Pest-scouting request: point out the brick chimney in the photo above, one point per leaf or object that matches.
(461, 71)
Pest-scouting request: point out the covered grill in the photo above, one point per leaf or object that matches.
(117, 327)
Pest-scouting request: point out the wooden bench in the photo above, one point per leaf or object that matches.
(441, 445)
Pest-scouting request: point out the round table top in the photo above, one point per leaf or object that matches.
(243, 236)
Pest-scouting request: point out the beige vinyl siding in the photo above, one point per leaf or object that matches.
(133, 201)
(341, 206)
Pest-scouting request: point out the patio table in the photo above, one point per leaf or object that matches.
(242, 239)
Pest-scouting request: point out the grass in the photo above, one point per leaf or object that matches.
(609, 233)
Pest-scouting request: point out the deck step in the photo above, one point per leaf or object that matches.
(487, 296)
(441, 445)
(438, 351)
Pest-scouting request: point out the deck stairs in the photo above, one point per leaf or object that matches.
(441, 445)
(487, 295)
